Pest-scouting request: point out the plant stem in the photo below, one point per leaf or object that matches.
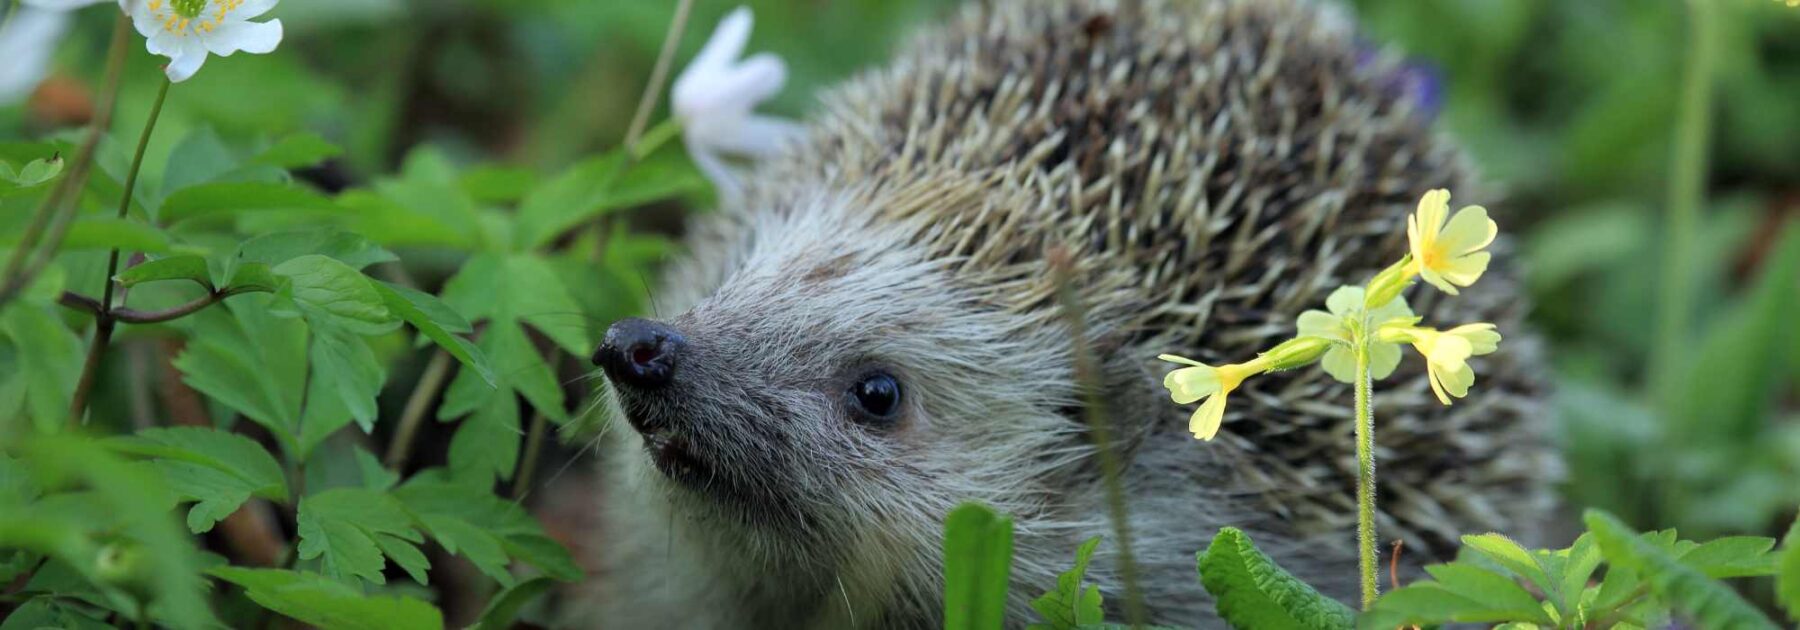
(417, 404)
(104, 322)
(1367, 559)
(664, 59)
(1687, 190)
(57, 211)
(534, 448)
(1088, 380)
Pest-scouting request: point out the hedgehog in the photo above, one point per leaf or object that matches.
(870, 334)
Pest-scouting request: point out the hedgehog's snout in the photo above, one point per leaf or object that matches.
(640, 354)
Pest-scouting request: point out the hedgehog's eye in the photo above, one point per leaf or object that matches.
(876, 396)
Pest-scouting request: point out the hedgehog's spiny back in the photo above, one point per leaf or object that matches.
(1219, 166)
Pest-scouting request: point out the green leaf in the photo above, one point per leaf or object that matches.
(30, 177)
(49, 612)
(504, 607)
(1732, 556)
(1583, 558)
(219, 470)
(312, 599)
(329, 290)
(977, 566)
(522, 288)
(498, 184)
(1459, 592)
(375, 475)
(1514, 557)
(87, 233)
(437, 321)
(469, 520)
(1705, 601)
(183, 267)
(1069, 606)
(1250, 591)
(1787, 577)
(296, 151)
(346, 247)
(345, 362)
(593, 187)
(198, 158)
(351, 528)
(230, 198)
(486, 444)
(50, 359)
(246, 358)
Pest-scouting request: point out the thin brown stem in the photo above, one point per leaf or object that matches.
(664, 59)
(57, 211)
(90, 305)
(534, 448)
(416, 405)
(1089, 381)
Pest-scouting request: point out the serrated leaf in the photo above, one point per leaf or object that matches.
(504, 607)
(1583, 559)
(346, 247)
(182, 267)
(1069, 606)
(469, 520)
(50, 359)
(329, 290)
(346, 363)
(313, 599)
(48, 612)
(296, 151)
(216, 469)
(1732, 556)
(486, 444)
(1458, 592)
(1705, 601)
(230, 198)
(977, 566)
(245, 358)
(348, 528)
(375, 475)
(1250, 591)
(437, 321)
(1514, 557)
(1787, 577)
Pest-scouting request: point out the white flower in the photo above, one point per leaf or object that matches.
(714, 97)
(28, 38)
(186, 31)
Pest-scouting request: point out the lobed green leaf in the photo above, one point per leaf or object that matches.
(1707, 602)
(1250, 591)
(316, 600)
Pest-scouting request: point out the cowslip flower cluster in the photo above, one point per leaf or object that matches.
(714, 98)
(1371, 323)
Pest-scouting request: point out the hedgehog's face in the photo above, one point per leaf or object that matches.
(828, 381)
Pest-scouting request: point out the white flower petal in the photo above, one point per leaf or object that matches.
(757, 136)
(252, 9)
(165, 43)
(726, 43)
(713, 168)
(187, 60)
(27, 39)
(251, 37)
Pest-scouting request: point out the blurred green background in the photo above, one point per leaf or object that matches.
(1570, 109)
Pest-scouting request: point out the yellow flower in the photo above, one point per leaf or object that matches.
(1447, 353)
(1340, 325)
(1449, 255)
(1199, 381)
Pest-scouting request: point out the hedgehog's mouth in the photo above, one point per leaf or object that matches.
(674, 458)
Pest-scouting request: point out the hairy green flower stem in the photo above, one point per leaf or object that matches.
(1367, 559)
(57, 211)
(104, 321)
(1087, 378)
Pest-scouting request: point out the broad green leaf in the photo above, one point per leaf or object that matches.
(313, 599)
(1250, 591)
(345, 247)
(486, 444)
(469, 520)
(1787, 577)
(297, 151)
(1458, 592)
(498, 184)
(1583, 559)
(31, 176)
(1705, 601)
(324, 414)
(393, 223)
(50, 358)
(375, 475)
(216, 469)
(48, 612)
(593, 187)
(329, 290)
(1514, 557)
(344, 361)
(247, 359)
(1732, 556)
(87, 233)
(524, 288)
(1069, 606)
(437, 321)
(200, 157)
(503, 609)
(546, 554)
(182, 267)
(977, 566)
(232, 198)
(351, 528)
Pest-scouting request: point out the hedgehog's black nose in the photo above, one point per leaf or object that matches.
(640, 353)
